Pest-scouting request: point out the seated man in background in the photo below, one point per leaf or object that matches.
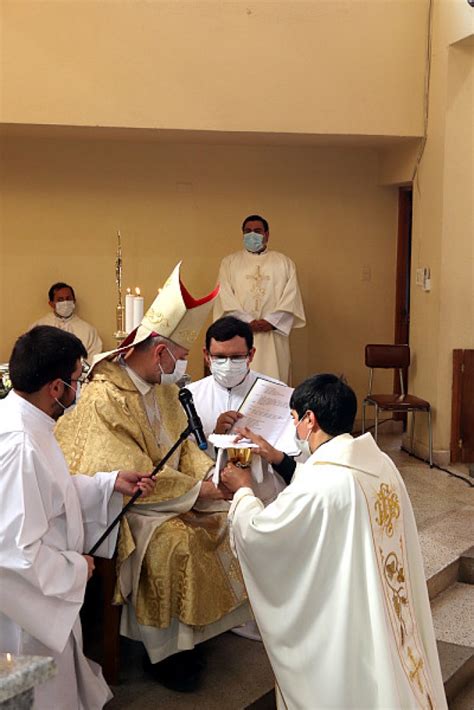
(177, 579)
(62, 301)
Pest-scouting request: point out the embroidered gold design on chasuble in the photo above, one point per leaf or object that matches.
(387, 507)
(258, 287)
(386, 520)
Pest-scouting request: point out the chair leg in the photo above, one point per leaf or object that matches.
(363, 417)
(430, 435)
(111, 641)
(412, 435)
(376, 426)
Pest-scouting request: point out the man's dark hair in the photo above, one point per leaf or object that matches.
(227, 328)
(330, 398)
(57, 287)
(254, 218)
(42, 355)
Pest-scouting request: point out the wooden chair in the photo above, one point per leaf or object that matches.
(101, 620)
(395, 357)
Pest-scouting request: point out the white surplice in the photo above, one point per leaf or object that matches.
(211, 400)
(256, 286)
(48, 520)
(334, 573)
(86, 332)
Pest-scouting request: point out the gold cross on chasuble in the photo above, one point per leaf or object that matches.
(258, 287)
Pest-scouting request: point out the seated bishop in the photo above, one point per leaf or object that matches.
(177, 580)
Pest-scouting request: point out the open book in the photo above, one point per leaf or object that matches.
(266, 411)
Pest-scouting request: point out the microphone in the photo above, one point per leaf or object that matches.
(195, 424)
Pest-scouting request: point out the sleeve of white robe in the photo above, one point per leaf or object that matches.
(99, 505)
(227, 302)
(94, 344)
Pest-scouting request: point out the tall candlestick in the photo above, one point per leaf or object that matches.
(119, 309)
(137, 308)
(129, 301)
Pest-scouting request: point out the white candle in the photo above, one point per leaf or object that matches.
(129, 301)
(137, 308)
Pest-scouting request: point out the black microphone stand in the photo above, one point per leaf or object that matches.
(182, 437)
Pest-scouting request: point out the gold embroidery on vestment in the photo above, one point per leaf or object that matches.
(387, 507)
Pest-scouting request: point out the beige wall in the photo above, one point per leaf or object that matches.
(65, 199)
(303, 66)
(443, 233)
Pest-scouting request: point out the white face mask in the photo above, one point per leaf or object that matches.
(229, 373)
(302, 444)
(170, 378)
(64, 309)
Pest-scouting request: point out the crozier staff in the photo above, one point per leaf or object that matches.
(49, 518)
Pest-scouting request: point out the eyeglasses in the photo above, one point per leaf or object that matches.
(237, 359)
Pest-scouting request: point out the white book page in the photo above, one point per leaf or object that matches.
(266, 410)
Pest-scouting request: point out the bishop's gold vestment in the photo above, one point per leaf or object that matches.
(174, 562)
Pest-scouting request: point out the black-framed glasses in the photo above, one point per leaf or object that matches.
(237, 359)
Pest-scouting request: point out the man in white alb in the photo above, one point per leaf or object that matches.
(49, 520)
(260, 287)
(333, 567)
(62, 301)
(229, 352)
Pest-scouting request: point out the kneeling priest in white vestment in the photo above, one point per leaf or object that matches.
(333, 567)
(49, 520)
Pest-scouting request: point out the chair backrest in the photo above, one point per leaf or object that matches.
(387, 356)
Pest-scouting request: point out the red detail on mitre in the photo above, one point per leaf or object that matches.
(130, 339)
(191, 302)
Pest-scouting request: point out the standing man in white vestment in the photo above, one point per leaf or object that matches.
(228, 353)
(333, 568)
(49, 519)
(260, 287)
(62, 301)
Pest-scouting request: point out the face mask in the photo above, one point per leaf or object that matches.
(302, 444)
(63, 406)
(253, 241)
(229, 373)
(170, 378)
(64, 309)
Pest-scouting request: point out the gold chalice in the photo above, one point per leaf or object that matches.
(241, 457)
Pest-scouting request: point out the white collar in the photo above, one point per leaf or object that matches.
(33, 410)
(142, 385)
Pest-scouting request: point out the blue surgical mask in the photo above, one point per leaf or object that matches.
(253, 241)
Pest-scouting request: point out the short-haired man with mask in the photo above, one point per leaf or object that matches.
(62, 301)
(260, 286)
(49, 520)
(228, 353)
(177, 581)
(333, 567)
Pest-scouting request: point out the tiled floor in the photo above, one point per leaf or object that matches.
(238, 672)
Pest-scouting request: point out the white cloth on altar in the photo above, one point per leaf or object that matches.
(319, 584)
(263, 286)
(211, 400)
(48, 520)
(86, 332)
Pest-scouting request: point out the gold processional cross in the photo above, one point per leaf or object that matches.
(258, 287)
